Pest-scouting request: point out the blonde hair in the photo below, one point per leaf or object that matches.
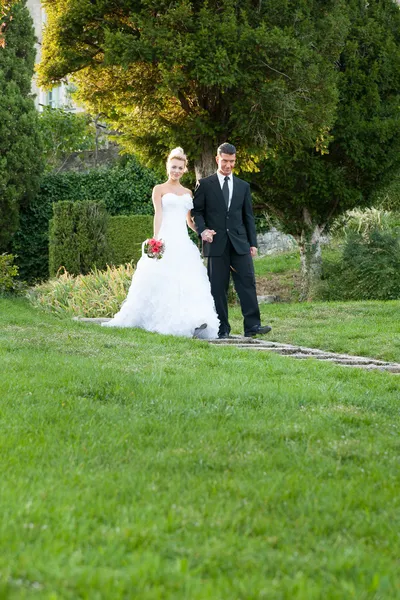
(179, 154)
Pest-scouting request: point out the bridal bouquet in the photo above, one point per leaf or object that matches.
(154, 248)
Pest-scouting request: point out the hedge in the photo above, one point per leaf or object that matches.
(63, 246)
(82, 236)
(78, 237)
(125, 188)
(125, 237)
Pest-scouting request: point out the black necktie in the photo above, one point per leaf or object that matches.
(225, 191)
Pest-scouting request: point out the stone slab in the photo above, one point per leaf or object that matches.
(91, 320)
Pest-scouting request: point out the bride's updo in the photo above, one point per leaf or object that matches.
(179, 154)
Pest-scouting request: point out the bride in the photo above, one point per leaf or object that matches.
(171, 295)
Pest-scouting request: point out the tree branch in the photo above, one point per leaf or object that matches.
(276, 70)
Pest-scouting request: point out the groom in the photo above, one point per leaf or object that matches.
(224, 218)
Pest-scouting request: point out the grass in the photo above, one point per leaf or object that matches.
(279, 275)
(264, 266)
(362, 328)
(141, 466)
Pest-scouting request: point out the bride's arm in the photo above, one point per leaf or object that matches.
(157, 210)
(189, 221)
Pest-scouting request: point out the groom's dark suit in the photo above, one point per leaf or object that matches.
(229, 252)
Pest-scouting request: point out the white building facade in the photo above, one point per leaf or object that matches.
(58, 97)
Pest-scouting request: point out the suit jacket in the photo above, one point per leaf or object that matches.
(236, 224)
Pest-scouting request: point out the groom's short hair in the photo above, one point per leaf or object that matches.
(226, 148)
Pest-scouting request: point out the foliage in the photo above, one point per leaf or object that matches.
(8, 273)
(78, 237)
(307, 189)
(364, 222)
(20, 153)
(195, 74)
(125, 188)
(97, 294)
(169, 468)
(125, 237)
(388, 196)
(64, 132)
(368, 269)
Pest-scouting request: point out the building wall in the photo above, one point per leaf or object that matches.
(57, 97)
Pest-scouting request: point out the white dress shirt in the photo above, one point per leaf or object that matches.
(221, 179)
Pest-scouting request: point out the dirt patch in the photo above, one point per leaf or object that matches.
(284, 285)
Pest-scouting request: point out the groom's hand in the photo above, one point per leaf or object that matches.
(208, 235)
(253, 251)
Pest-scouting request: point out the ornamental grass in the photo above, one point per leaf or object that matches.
(97, 294)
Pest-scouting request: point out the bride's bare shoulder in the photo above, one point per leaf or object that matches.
(158, 191)
(160, 187)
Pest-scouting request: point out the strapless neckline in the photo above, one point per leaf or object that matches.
(177, 195)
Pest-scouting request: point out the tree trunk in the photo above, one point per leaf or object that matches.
(97, 136)
(311, 260)
(205, 165)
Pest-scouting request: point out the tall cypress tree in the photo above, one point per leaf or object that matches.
(20, 145)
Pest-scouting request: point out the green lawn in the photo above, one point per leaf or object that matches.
(276, 263)
(362, 328)
(286, 261)
(140, 466)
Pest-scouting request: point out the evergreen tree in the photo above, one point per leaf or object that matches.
(306, 189)
(192, 73)
(20, 145)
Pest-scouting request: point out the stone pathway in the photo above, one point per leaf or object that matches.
(299, 352)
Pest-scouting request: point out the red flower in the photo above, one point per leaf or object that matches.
(154, 248)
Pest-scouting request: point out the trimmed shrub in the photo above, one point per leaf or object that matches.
(63, 249)
(125, 237)
(125, 189)
(78, 237)
(98, 294)
(368, 268)
(91, 234)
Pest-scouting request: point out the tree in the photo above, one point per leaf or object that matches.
(190, 73)
(64, 132)
(306, 188)
(20, 145)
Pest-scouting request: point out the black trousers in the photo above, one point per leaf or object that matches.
(241, 267)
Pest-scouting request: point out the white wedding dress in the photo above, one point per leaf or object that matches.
(171, 295)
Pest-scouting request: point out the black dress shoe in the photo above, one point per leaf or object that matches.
(258, 330)
(199, 329)
(223, 336)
